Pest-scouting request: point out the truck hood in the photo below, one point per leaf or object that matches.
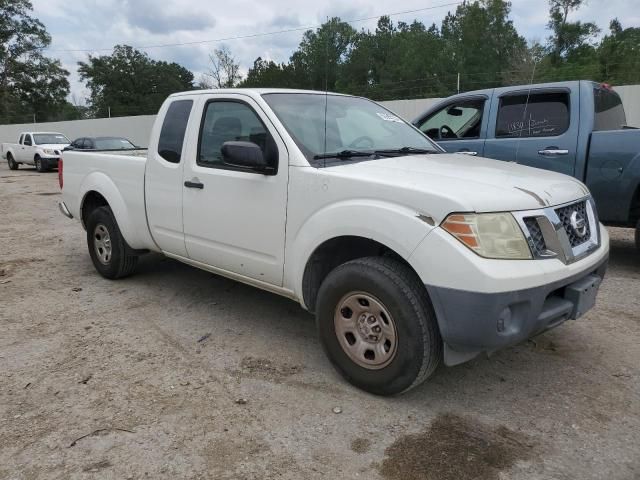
(53, 146)
(440, 184)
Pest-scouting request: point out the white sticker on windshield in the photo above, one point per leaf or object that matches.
(388, 117)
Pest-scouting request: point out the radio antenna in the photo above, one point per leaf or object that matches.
(526, 106)
(326, 88)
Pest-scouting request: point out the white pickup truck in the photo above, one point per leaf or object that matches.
(406, 254)
(41, 149)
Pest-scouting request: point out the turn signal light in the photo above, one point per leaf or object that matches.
(60, 180)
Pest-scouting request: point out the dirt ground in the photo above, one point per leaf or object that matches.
(176, 373)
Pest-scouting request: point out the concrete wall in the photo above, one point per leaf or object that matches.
(630, 95)
(137, 129)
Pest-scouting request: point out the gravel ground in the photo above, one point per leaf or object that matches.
(177, 373)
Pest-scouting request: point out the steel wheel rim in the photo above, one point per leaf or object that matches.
(365, 330)
(37, 164)
(102, 244)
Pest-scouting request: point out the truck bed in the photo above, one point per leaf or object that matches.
(120, 176)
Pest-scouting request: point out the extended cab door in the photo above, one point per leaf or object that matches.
(234, 218)
(163, 176)
(25, 151)
(537, 127)
(459, 126)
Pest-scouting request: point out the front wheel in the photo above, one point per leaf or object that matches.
(110, 254)
(377, 325)
(40, 167)
(13, 165)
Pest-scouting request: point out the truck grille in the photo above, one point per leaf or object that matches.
(567, 232)
(580, 210)
(537, 242)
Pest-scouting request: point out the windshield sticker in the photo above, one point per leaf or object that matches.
(389, 117)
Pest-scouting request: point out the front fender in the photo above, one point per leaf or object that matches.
(102, 184)
(397, 227)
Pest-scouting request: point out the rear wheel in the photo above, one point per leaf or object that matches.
(40, 167)
(377, 325)
(13, 165)
(110, 254)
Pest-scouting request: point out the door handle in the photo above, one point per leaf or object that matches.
(467, 152)
(190, 184)
(552, 152)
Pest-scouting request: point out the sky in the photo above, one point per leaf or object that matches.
(98, 25)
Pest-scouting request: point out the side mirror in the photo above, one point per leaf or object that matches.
(67, 148)
(245, 155)
(455, 112)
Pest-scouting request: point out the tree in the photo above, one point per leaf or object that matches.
(482, 42)
(224, 71)
(619, 54)
(30, 83)
(128, 82)
(568, 38)
(267, 73)
(321, 55)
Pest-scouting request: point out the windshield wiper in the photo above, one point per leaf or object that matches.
(404, 151)
(344, 154)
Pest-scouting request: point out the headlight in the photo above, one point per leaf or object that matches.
(490, 235)
(49, 151)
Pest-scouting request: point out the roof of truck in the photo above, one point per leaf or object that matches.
(256, 91)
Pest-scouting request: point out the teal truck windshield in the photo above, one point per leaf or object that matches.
(351, 124)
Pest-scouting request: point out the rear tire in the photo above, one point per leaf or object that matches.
(110, 254)
(377, 326)
(39, 164)
(13, 165)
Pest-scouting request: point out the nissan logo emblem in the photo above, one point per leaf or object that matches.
(578, 223)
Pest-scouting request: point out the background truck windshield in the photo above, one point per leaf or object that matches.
(113, 143)
(50, 138)
(352, 123)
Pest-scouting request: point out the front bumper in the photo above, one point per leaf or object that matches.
(473, 322)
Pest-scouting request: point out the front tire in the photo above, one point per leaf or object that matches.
(110, 254)
(377, 325)
(40, 167)
(13, 165)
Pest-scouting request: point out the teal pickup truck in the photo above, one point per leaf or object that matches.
(577, 128)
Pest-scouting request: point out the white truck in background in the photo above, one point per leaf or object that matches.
(40, 149)
(406, 254)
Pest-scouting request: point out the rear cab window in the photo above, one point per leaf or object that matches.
(173, 130)
(608, 110)
(543, 114)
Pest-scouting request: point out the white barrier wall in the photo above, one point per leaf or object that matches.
(137, 129)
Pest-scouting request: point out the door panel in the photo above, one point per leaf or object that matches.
(235, 219)
(538, 129)
(163, 178)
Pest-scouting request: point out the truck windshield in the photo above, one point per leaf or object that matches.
(609, 112)
(353, 126)
(50, 139)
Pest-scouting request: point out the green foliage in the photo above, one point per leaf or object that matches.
(477, 41)
(30, 83)
(128, 82)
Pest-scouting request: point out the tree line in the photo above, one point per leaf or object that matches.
(476, 46)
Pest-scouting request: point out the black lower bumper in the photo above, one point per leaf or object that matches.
(472, 322)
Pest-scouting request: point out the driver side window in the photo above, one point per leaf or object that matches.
(455, 121)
